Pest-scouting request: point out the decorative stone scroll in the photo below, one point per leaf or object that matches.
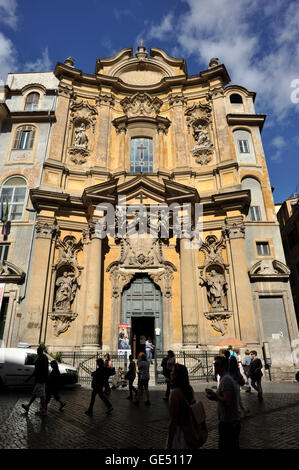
(213, 276)
(198, 119)
(141, 104)
(67, 272)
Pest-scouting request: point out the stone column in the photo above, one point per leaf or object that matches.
(40, 274)
(105, 101)
(221, 127)
(91, 328)
(178, 101)
(188, 294)
(235, 235)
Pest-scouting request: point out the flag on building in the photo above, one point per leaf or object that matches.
(4, 216)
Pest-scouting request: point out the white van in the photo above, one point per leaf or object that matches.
(17, 364)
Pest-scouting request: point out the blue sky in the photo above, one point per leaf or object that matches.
(257, 40)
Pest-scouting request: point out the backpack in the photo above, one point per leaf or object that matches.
(196, 432)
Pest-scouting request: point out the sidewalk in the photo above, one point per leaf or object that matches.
(270, 424)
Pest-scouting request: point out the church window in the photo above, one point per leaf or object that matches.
(24, 138)
(141, 155)
(14, 193)
(257, 208)
(263, 248)
(236, 99)
(32, 101)
(243, 146)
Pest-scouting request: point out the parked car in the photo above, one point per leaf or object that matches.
(17, 364)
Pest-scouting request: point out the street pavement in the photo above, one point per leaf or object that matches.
(271, 424)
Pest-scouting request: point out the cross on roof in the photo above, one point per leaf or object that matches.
(141, 42)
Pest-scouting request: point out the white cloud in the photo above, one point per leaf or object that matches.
(279, 142)
(43, 64)
(8, 14)
(163, 29)
(257, 42)
(8, 57)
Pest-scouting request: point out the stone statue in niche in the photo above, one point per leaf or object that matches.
(81, 138)
(65, 294)
(202, 140)
(217, 287)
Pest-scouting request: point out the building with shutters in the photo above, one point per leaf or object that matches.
(138, 139)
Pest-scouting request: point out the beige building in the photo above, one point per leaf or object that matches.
(141, 130)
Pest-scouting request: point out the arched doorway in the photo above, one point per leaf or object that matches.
(142, 308)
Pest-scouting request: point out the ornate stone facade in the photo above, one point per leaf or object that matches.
(197, 293)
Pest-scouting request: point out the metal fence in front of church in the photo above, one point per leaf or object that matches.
(198, 363)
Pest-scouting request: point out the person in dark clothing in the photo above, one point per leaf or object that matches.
(108, 364)
(98, 383)
(255, 373)
(130, 376)
(167, 365)
(41, 372)
(53, 385)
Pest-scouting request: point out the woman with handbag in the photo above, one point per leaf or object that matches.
(182, 428)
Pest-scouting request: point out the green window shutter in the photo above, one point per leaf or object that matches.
(17, 141)
(31, 138)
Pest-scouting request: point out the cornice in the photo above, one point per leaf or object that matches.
(246, 119)
(31, 116)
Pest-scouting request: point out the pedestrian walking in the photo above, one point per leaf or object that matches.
(107, 364)
(98, 383)
(255, 373)
(234, 371)
(167, 365)
(181, 430)
(53, 385)
(228, 410)
(130, 376)
(149, 347)
(246, 367)
(40, 373)
(144, 376)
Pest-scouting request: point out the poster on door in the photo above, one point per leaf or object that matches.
(124, 336)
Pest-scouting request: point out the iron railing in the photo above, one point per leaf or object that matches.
(198, 363)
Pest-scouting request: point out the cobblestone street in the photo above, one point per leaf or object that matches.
(272, 424)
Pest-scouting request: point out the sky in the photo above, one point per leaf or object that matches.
(257, 41)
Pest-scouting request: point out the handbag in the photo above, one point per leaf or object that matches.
(196, 431)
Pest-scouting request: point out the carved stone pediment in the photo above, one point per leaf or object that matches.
(83, 111)
(198, 114)
(141, 254)
(10, 273)
(269, 269)
(141, 104)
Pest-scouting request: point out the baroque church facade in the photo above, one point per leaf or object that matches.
(140, 130)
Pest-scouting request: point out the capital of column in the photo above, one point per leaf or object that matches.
(95, 229)
(234, 230)
(46, 230)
